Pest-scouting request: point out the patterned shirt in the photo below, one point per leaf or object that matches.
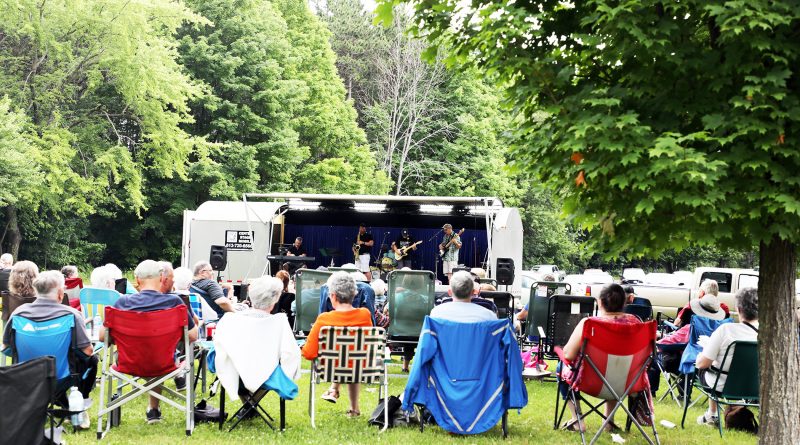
(451, 254)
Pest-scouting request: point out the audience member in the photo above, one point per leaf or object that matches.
(217, 296)
(69, 272)
(49, 289)
(706, 304)
(461, 288)
(241, 353)
(101, 277)
(715, 348)
(6, 261)
(342, 291)
(286, 298)
(20, 281)
(154, 280)
(611, 302)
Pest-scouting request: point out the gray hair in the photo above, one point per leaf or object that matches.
(462, 285)
(200, 265)
(69, 271)
(114, 271)
(101, 277)
(379, 287)
(747, 302)
(48, 283)
(710, 287)
(166, 268)
(149, 269)
(343, 285)
(183, 278)
(7, 260)
(264, 292)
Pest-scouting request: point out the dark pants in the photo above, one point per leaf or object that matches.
(85, 369)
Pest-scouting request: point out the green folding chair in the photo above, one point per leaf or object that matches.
(411, 298)
(741, 383)
(308, 286)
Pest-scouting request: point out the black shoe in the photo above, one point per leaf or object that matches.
(153, 415)
(180, 382)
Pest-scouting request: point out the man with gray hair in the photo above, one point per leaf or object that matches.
(717, 345)
(461, 309)
(217, 296)
(49, 287)
(154, 280)
(706, 304)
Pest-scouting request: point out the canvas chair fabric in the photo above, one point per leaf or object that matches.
(611, 366)
(308, 285)
(29, 388)
(34, 339)
(411, 297)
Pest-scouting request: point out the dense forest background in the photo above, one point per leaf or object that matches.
(115, 116)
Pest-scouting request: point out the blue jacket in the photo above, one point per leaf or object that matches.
(364, 298)
(466, 374)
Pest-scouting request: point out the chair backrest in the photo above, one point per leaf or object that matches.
(94, 299)
(491, 281)
(26, 390)
(619, 352)
(34, 339)
(196, 305)
(563, 314)
(350, 354)
(642, 311)
(308, 286)
(411, 298)
(700, 326)
(503, 300)
(742, 380)
(539, 302)
(146, 341)
(11, 302)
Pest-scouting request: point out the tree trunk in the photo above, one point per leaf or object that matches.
(14, 235)
(779, 360)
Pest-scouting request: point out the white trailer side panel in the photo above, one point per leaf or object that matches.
(507, 243)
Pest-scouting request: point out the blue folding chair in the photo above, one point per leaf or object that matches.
(700, 326)
(34, 339)
(93, 301)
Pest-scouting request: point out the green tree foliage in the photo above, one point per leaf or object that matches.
(663, 125)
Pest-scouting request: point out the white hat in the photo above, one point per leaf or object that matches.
(349, 266)
(707, 306)
(359, 276)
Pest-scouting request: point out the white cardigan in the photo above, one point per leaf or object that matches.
(251, 347)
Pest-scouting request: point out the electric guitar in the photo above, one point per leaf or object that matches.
(444, 246)
(403, 251)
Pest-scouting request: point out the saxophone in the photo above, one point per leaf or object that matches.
(356, 246)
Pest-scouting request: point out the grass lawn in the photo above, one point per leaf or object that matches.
(533, 425)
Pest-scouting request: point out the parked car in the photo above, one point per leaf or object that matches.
(633, 275)
(543, 269)
(588, 283)
(668, 299)
(683, 278)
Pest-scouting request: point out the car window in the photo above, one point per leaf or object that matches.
(723, 280)
(748, 281)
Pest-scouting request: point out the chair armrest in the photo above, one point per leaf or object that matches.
(560, 353)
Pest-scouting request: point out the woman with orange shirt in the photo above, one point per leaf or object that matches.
(341, 289)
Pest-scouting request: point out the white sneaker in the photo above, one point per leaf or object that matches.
(708, 419)
(85, 421)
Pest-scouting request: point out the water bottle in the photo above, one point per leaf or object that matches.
(75, 400)
(96, 323)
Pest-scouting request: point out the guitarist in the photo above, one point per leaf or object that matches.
(450, 245)
(404, 241)
(364, 241)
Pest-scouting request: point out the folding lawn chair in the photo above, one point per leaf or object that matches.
(11, 302)
(504, 302)
(411, 298)
(308, 289)
(564, 312)
(468, 375)
(145, 344)
(741, 383)
(29, 388)
(48, 338)
(611, 366)
(699, 327)
(535, 328)
(350, 355)
(643, 311)
(72, 289)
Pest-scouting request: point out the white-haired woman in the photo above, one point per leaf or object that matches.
(341, 290)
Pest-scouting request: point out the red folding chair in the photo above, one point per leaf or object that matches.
(145, 343)
(611, 365)
(72, 289)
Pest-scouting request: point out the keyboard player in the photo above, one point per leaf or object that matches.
(296, 249)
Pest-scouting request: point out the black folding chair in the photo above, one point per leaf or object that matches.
(29, 388)
(564, 313)
(504, 302)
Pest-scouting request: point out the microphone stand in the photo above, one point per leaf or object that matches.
(435, 256)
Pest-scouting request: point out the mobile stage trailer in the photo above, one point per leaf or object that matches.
(260, 224)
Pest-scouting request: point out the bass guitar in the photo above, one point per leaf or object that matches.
(444, 246)
(402, 252)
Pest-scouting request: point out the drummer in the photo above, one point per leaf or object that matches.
(388, 262)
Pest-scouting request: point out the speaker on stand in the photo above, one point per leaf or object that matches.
(504, 272)
(218, 258)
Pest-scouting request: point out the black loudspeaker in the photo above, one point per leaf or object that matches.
(218, 257)
(505, 271)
